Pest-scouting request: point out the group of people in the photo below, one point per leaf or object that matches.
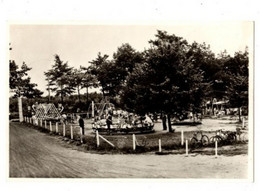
(122, 122)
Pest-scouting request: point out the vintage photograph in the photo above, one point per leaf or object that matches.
(131, 101)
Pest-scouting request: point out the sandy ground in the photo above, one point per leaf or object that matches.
(36, 154)
(207, 125)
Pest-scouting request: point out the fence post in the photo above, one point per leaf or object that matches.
(186, 144)
(182, 138)
(216, 148)
(97, 136)
(50, 127)
(64, 130)
(134, 145)
(71, 132)
(160, 146)
(81, 135)
(57, 130)
(243, 123)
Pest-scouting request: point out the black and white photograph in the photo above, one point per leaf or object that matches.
(129, 95)
(131, 101)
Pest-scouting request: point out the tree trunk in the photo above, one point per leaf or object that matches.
(61, 96)
(78, 93)
(49, 93)
(164, 122)
(239, 114)
(87, 94)
(169, 122)
(212, 107)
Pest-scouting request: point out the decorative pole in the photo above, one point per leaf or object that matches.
(216, 148)
(160, 146)
(134, 142)
(187, 147)
(182, 138)
(20, 109)
(57, 130)
(50, 127)
(71, 132)
(97, 136)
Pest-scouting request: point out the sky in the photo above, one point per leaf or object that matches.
(78, 44)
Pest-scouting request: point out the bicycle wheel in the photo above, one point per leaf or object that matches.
(193, 143)
(216, 138)
(231, 138)
(204, 140)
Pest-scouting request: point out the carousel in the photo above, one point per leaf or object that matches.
(108, 120)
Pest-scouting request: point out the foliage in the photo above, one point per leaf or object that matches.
(58, 78)
(103, 70)
(76, 80)
(237, 70)
(168, 81)
(20, 83)
(89, 80)
(69, 103)
(170, 77)
(112, 74)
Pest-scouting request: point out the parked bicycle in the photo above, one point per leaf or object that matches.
(224, 137)
(242, 135)
(199, 140)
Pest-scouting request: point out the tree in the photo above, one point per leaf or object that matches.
(20, 83)
(58, 78)
(89, 80)
(168, 81)
(125, 59)
(101, 68)
(112, 73)
(213, 79)
(237, 70)
(30, 91)
(76, 79)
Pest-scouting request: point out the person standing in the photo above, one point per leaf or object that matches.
(81, 124)
(164, 119)
(109, 122)
(64, 118)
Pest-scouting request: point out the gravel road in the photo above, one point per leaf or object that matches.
(37, 154)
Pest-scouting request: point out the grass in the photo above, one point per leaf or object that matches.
(171, 142)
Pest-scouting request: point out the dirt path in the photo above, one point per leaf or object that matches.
(36, 154)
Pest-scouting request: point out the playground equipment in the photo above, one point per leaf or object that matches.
(47, 111)
(100, 109)
(122, 123)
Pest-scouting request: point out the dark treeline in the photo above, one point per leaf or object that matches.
(70, 103)
(172, 76)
